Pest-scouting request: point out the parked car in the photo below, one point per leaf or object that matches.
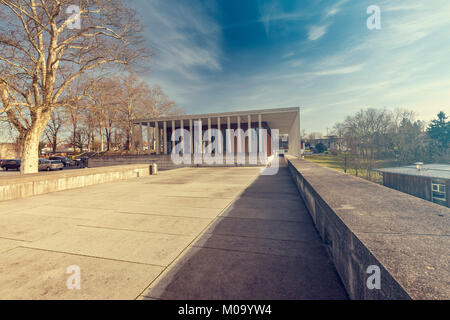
(67, 162)
(81, 162)
(56, 165)
(12, 164)
(44, 165)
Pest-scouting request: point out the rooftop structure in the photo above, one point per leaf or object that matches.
(427, 181)
(439, 171)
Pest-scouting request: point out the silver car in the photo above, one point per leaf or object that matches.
(56, 165)
(44, 165)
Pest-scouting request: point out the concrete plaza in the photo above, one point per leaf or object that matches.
(191, 233)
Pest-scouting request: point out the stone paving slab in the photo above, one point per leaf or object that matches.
(21, 205)
(268, 229)
(131, 202)
(228, 275)
(266, 214)
(30, 228)
(306, 250)
(267, 203)
(151, 223)
(142, 247)
(8, 244)
(171, 211)
(37, 274)
(77, 215)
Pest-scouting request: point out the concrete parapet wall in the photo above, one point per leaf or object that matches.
(164, 162)
(364, 224)
(36, 184)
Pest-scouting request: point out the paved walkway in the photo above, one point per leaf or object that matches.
(264, 246)
(177, 235)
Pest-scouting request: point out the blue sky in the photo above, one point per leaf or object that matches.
(218, 56)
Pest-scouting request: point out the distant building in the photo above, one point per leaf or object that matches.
(430, 181)
(9, 151)
(158, 131)
(331, 142)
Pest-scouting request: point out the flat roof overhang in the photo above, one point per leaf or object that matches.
(281, 119)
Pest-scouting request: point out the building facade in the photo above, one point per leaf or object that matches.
(161, 135)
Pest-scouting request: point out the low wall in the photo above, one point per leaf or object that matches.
(364, 224)
(36, 184)
(164, 162)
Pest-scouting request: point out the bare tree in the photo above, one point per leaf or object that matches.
(43, 50)
(160, 104)
(103, 107)
(136, 99)
(54, 128)
(74, 119)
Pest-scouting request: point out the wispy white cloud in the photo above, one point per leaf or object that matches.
(316, 32)
(271, 12)
(184, 37)
(296, 63)
(339, 71)
(334, 9)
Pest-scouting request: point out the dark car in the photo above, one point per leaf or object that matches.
(66, 161)
(13, 164)
(81, 162)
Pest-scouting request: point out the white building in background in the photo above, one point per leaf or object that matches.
(156, 133)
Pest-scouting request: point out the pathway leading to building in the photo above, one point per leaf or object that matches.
(263, 246)
(200, 233)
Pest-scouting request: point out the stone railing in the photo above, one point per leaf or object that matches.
(368, 228)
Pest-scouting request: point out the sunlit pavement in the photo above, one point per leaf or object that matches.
(186, 233)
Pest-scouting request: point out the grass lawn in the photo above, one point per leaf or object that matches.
(337, 163)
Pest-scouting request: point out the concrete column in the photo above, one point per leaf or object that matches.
(173, 130)
(294, 137)
(141, 138)
(260, 133)
(220, 140)
(239, 144)
(182, 135)
(228, 135)
(158, 140)
(249, 127)
(165, 137)
(149, 141)
(209, 129)
(200, 133)
(191, 145)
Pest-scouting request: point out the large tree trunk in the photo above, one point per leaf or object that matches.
(30, 153)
